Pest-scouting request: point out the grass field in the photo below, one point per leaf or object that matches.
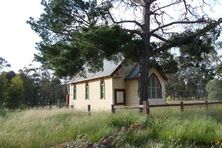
(195, 127)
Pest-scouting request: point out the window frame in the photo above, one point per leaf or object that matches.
(102, 89)
(74, 92)
(154, 87)
(87, 91)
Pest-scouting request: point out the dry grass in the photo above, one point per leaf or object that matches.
(165, 127)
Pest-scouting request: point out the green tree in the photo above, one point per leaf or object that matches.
(214, 88)
(15, 93)
(4, 84)
(57, 94)
(3, 63)
(30, 87)
(76, 32)
(41, 87)
(5, 80)
(50, 88)
(193, 73)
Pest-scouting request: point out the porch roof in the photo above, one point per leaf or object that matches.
(134, 73)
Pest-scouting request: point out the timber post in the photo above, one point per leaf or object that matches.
(140, 110)
(146, 108)
(89, 109)
(181, 106)
(206, 104)
(112, 108)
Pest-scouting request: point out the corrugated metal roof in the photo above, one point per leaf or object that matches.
(108, 68)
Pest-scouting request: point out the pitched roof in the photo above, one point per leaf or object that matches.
(109, 68)
(134, 73)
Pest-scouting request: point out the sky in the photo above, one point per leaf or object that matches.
(17, 39)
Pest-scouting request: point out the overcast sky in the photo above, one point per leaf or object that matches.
(17, 40)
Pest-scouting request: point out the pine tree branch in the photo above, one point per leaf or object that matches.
(184, 40)
(178, 22)
(133, 31)
(125, 21)
(165, 6)
(160, 38)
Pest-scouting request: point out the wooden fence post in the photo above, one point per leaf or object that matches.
(72, 106)
(89, 109)
(140, 110)
(206, 104)
(181, 106)
(112, 108)
(146, 107)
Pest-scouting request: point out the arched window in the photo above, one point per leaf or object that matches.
(154, 87)
(102, 89)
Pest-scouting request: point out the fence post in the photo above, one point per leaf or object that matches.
(181, 106)
(113, 108)
(146, 108)
(72, 106)
(89, 109)
(140, 110)
(206, 104)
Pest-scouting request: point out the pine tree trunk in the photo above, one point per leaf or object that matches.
(143, 84)
(145, 59)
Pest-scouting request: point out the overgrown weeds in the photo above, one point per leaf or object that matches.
(163, 128)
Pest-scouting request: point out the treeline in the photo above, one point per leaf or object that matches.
(195, 84)
(30, 88)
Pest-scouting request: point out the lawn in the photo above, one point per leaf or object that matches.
(194, 127)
